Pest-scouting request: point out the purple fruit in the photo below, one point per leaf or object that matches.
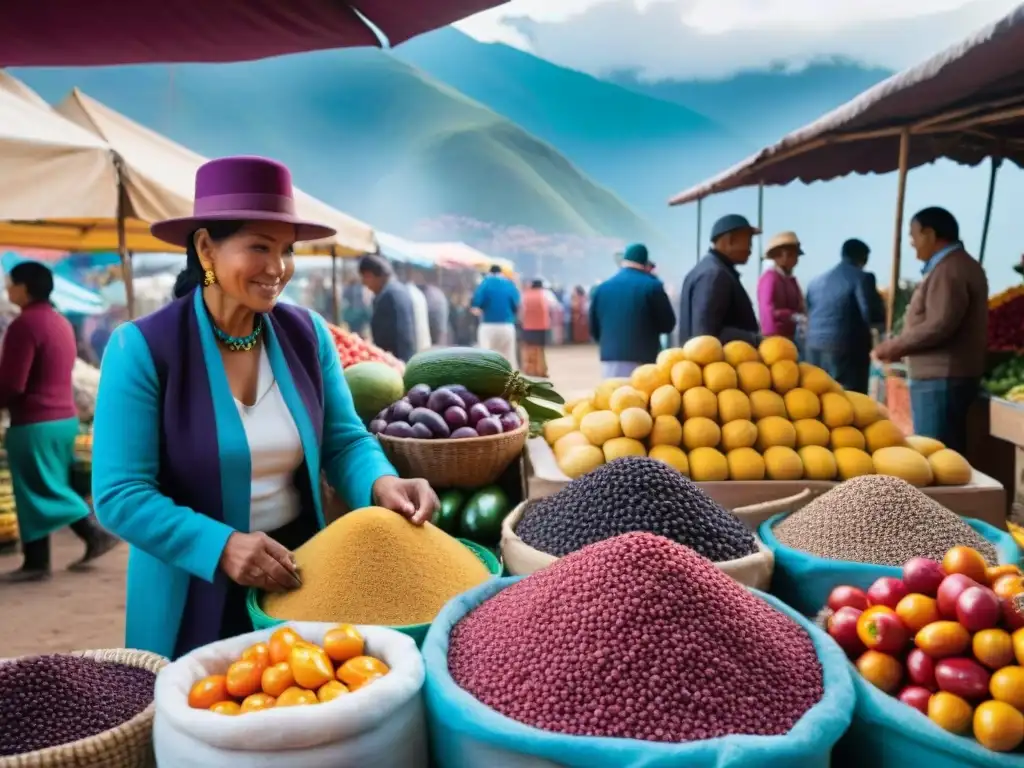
(377, 426)
(510, 421)
(489, 426)
(477, 412)
(456, 417)
(418, 395)
(422, 432)
(441, 400)
(399, 429)
(463, 432)
(497, 405)
(400, 410)
(383, 415)
(431, 420)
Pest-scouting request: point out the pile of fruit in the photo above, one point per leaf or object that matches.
(475, 516)
(1006, 380)
(1006, 320)
(8, 510)
(450, 411)
(288, 671)
(740, 413)
(354, 349)
(946, 639)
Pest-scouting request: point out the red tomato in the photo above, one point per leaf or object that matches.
(880, 629)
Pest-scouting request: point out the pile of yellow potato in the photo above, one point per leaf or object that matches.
(739, 413)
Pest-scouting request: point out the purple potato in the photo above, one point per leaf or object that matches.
(460, 389)
(400, 410)
(383, 415)
(399, 429)
(441, 400)
(422, 431)
(497, 406)
(377, 426)
(418, 395)
(431, 420)
(510, 421)
(463, 432)
(456, 417)
(477, 412)
(489, 426)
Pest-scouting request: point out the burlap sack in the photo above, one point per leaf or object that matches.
(521, 559)
(755, 514)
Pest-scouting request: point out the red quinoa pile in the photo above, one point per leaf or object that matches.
(636, 637)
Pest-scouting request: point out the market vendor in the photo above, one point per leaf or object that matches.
(217, 414)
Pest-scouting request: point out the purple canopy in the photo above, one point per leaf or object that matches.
(37, 33)
(964, 104)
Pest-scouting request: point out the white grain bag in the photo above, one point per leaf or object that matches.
(754, 570)
(755, 514)
(381, 725)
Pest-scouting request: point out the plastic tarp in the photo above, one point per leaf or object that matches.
(69, 297)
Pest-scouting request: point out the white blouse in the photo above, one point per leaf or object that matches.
(276, 453)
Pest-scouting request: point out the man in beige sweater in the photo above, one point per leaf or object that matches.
(944, 331)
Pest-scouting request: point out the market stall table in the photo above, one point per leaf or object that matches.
(1006, 422)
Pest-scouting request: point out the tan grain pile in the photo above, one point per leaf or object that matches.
(372, 566)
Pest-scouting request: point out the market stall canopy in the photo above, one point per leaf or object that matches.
(69, 297)
(462, 255)
(159, 176)
(406, 251)
(964, 104)
(61, 34)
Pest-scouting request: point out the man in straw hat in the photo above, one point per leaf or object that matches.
(713, 301)
(779, 298)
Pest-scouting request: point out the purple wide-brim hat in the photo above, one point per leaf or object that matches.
(240, 189)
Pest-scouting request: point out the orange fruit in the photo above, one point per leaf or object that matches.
(281, 643)
(256, 702)
(1008, 585)
(967, 561)
(1018, 645)
(260, 653)
(296, 697)
(918, 611)
(881, 670)
(943, 638)
(357, 672)
(950, 712)
(311, 666)
(998, 726)
(331, 690)
(1007, 685)
(343, 643)
(996, 571)
(243, 678)
(993, 648)
(277, 679)
(226, 708)
(208, 691)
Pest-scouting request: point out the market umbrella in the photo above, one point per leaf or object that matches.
(61, 34)
(69, 298)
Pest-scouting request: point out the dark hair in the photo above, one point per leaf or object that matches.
(37, 279)
(192, 275)
(537, 283)
(940, 221)
(495, 269)
(375, 265)
(856, 251)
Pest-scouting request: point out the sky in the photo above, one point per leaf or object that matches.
(713, 39)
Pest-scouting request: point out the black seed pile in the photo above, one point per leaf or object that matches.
(630, 495)
(46, 701)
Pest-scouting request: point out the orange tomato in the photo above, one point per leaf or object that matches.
(1018, 645)
(260, 653)
(993, 648)
(1007, 685)
(343, 643)
(256, 702)
(331, 690)
(881, 670)
(226, 708)
(1008, 586)
(296, 697)
(943, 638)
(277, 679)
(998, 726)
(967, 561)
(917, 611)
(311, 666)
(281, 643)
(243, 678)
(208, 691)
(950, 712)
(998, 571)
(357, 672)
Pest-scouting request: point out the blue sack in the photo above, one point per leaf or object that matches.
(886, 733)
(804, 581)
(465, 733)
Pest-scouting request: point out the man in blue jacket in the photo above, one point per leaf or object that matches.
(629, 312)
(713, 301)
(496, 303)
(843, 306)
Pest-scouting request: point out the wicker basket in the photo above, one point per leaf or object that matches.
(129, 745)
(466, 463)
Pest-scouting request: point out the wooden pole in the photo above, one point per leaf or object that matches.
(122, 239)
(897, 237)
(700, 202)
(760, 226)
(335, 304)
(996, 162)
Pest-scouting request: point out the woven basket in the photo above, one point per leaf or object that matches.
(129, 745)
(467, 463)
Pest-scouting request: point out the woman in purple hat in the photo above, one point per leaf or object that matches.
(217, 414)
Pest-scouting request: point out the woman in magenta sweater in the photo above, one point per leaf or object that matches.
(35, 386)
(779, 298)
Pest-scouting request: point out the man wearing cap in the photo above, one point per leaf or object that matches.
(629, 312)
(779, 298)
(713, 301)
(843, 306)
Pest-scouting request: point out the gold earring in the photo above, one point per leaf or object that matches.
(208, 277)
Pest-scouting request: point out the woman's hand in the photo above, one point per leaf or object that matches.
(256, 560)
(414, 499)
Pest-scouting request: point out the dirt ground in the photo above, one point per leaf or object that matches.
(86, 610)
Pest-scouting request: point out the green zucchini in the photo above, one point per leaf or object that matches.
(481, 371)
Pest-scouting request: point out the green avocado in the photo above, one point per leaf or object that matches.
(447, 517)
(482, 516)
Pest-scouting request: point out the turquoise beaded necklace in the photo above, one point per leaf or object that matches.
(239, 343)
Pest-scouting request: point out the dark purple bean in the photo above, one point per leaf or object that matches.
(422, 431)
(510, 421)
(497, 405)
(441, 400)
(463, 432)
(400, 410)
(431, 420)
(489, 426)
(399, 429)
(477, 412)
(456, 417)
(418, 395)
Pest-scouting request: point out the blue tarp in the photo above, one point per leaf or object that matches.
(69, 297)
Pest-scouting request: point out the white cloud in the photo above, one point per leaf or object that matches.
(716, 38)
